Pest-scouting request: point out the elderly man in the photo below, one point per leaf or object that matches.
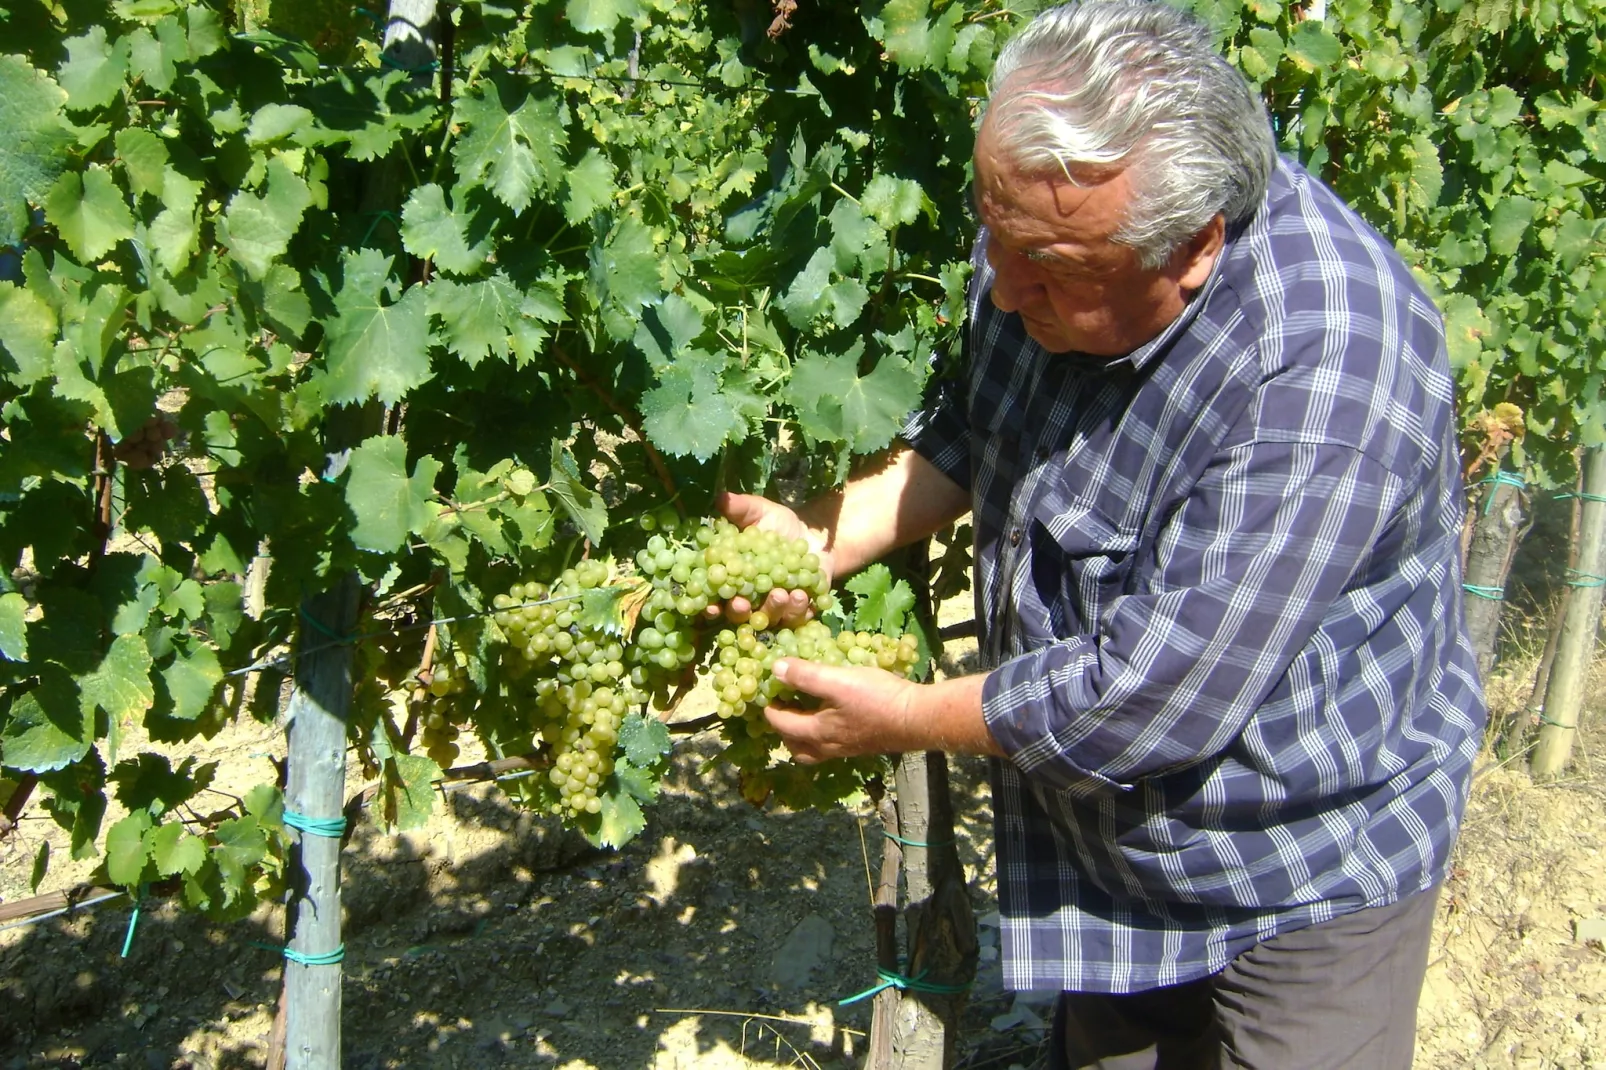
(1208, 441)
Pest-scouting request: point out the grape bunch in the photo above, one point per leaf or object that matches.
(145, 445)
(574, 670)
(447, 707)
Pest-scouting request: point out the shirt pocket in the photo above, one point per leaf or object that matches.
(1080, 561)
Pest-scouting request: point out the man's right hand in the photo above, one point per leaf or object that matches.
(782, 607)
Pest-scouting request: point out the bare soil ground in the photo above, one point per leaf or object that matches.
(722, 938)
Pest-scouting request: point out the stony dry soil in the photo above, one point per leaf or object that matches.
(722, 938)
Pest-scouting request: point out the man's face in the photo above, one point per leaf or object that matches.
(1050, 246)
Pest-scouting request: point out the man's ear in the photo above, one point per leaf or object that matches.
(1191, 264)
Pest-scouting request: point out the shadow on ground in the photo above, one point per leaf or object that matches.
(724, 936)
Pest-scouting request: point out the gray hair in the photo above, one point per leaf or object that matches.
(1112, 84)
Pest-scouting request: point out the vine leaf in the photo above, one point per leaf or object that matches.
(624, 276)
(94, 72)
(35, 148)
(144, 159)
(388, 504)
(882, 605)
(584, 505)
(688, 412)
(241, 844)
(375, 348)
(1313, 47)
(258, 230)
(89, 211)
(590, 187)
(513, 153)
(28, 333)
(487, 317)
(47, 729)
(894, 202)
(191, 680)
(175, 850)
(409, 789)
(13, 627)
(274, 122)
(127, 848)
(1508, 222)
(645, 739)
(121, 684)
(835, 404)
(430, 229)
(599, 16)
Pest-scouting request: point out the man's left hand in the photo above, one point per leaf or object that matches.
(862, 711)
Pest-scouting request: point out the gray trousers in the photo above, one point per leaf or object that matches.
(1340, 995)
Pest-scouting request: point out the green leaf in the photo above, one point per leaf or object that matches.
(513, 153)
(258, 230)
(621, 819)
(430, 229)
(624, 276)
(28, 333)
(835, 404)
(127, 849)
(490, 317)
(893, 201)
(265, 802)
(590, 187)
(41, 866)
(583, 504)
(410, 790)
(805, 298)
(688, 412)
(1576, 238)
(192, 680)
(667, 328)
(13, 626)
(35, 148)
(1507, 224)
(89, 211)
(375, 349)
(46, 730)
(175, 850)
(645, 739)
(144, 157)
(174, 234)
(275, 122)
(599, 16)
(121, 684)
(94, 72)
(153, 57)
(1313, 47)
(388, 503)
(241, 844)
(882, 605)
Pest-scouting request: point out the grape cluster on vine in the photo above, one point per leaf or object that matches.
(580, 672)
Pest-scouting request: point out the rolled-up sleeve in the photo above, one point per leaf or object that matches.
(1241, 577)
(940, 433)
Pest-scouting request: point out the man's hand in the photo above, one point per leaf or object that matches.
(872, 711)
(862, 711)
(785, 608)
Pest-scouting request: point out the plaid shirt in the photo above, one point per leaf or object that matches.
(1220, 595)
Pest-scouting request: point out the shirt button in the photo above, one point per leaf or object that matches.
(1014, 537)
(1042, 453)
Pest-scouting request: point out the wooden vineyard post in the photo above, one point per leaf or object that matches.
(315, 789)
(1564, 692)
(1496, 530)
(915, 1025)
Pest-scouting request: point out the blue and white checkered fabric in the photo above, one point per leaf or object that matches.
(1220, 591)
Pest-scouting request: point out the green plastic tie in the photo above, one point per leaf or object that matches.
(321, 627)
(331, 827)
(327, 958)
(1581, 496)
(1585, 579)
(1510, 479)
(1494, 594)
(432, 65)
(893, 979)
(915, 843)
(1555, 724)
(133, 920)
